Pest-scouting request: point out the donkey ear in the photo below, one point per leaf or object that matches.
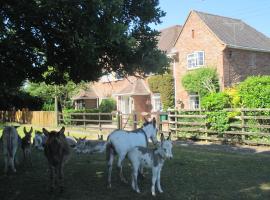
(154, 121)
(62, 130)
(46, 133)
(169, 137)
(31, 130)
(145, 120)
(162, 138)
(24, 131)
(84, 138)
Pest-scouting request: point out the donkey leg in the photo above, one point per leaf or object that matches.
(12, 161)
(52, 178)
(158, 181)
(110, 166)
(154, 180)
(61, 177)
(6, 163)
(119, 165)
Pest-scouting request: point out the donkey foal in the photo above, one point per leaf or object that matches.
(150, 158)
(26, 145)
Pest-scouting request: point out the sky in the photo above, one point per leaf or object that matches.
(255, 13)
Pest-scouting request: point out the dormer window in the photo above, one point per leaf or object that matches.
(195, 59)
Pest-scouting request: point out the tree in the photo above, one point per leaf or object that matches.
(81, 38)
(203, 81)
(163, 84)
(47, 92)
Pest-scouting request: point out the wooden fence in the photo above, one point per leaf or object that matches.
(107, 121)
(38, 118)
(250, 126)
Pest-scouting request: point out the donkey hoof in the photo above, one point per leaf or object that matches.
(153, 194)
(138, 191)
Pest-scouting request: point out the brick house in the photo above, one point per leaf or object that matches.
(231, 46)
(131, 93)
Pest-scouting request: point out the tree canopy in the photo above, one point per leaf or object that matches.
(81, 39)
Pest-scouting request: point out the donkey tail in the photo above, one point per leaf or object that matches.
(109, 150)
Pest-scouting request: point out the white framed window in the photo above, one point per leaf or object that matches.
(195, 59)
(156, 102)
(80, 104)
(194, 101)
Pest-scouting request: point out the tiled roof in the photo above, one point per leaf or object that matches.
(138, 87)
(235, 33)
(168, 37)
(89, 94)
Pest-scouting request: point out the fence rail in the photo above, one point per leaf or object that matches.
(251, 126)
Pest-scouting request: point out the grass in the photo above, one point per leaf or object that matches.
(194, 173)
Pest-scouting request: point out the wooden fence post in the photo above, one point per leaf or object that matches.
(134, 120)
(84, 122)
(119, 120)
(243, 124)
(99, 125)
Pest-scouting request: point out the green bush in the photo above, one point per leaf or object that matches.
(202, 81)
(107, 105)
(215, 101)
(163, 84)
(254, 92)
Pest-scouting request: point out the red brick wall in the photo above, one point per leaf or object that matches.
(204, 40)
(238, 64)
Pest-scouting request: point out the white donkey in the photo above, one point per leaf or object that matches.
(120, 142)
(150, 158)
(10, 144)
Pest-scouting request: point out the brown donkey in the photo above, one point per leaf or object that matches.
(26, 145)
(57, 151)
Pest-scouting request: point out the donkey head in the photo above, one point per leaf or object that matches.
(28, 134)
(54, 138)
(150, 129)
(165, 147)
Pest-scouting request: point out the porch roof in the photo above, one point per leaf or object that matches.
(88, 94)
(138, 87)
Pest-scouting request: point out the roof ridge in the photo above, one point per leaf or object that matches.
(196, 11)
(176, 25)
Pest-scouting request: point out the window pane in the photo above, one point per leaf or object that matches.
(200, 58)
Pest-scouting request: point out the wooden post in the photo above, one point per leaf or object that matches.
(56, 110)
(84, 122)
(243, 124)
(134, 120)
(99, 125)
(119, 120)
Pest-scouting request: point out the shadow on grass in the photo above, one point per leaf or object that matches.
(198, 171)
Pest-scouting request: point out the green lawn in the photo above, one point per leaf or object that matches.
(194, 173)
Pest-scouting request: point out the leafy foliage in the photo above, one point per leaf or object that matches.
(83, 39)
(163, 84)
(216, 101)
(202, 80)
(47, 92)
(254, 92)
(107, 105)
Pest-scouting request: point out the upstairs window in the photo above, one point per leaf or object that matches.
(195, 59)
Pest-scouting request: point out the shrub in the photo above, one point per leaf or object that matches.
(107, 105)
(202, 81)
(163, 84)
(215, 101)
(254, 92)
